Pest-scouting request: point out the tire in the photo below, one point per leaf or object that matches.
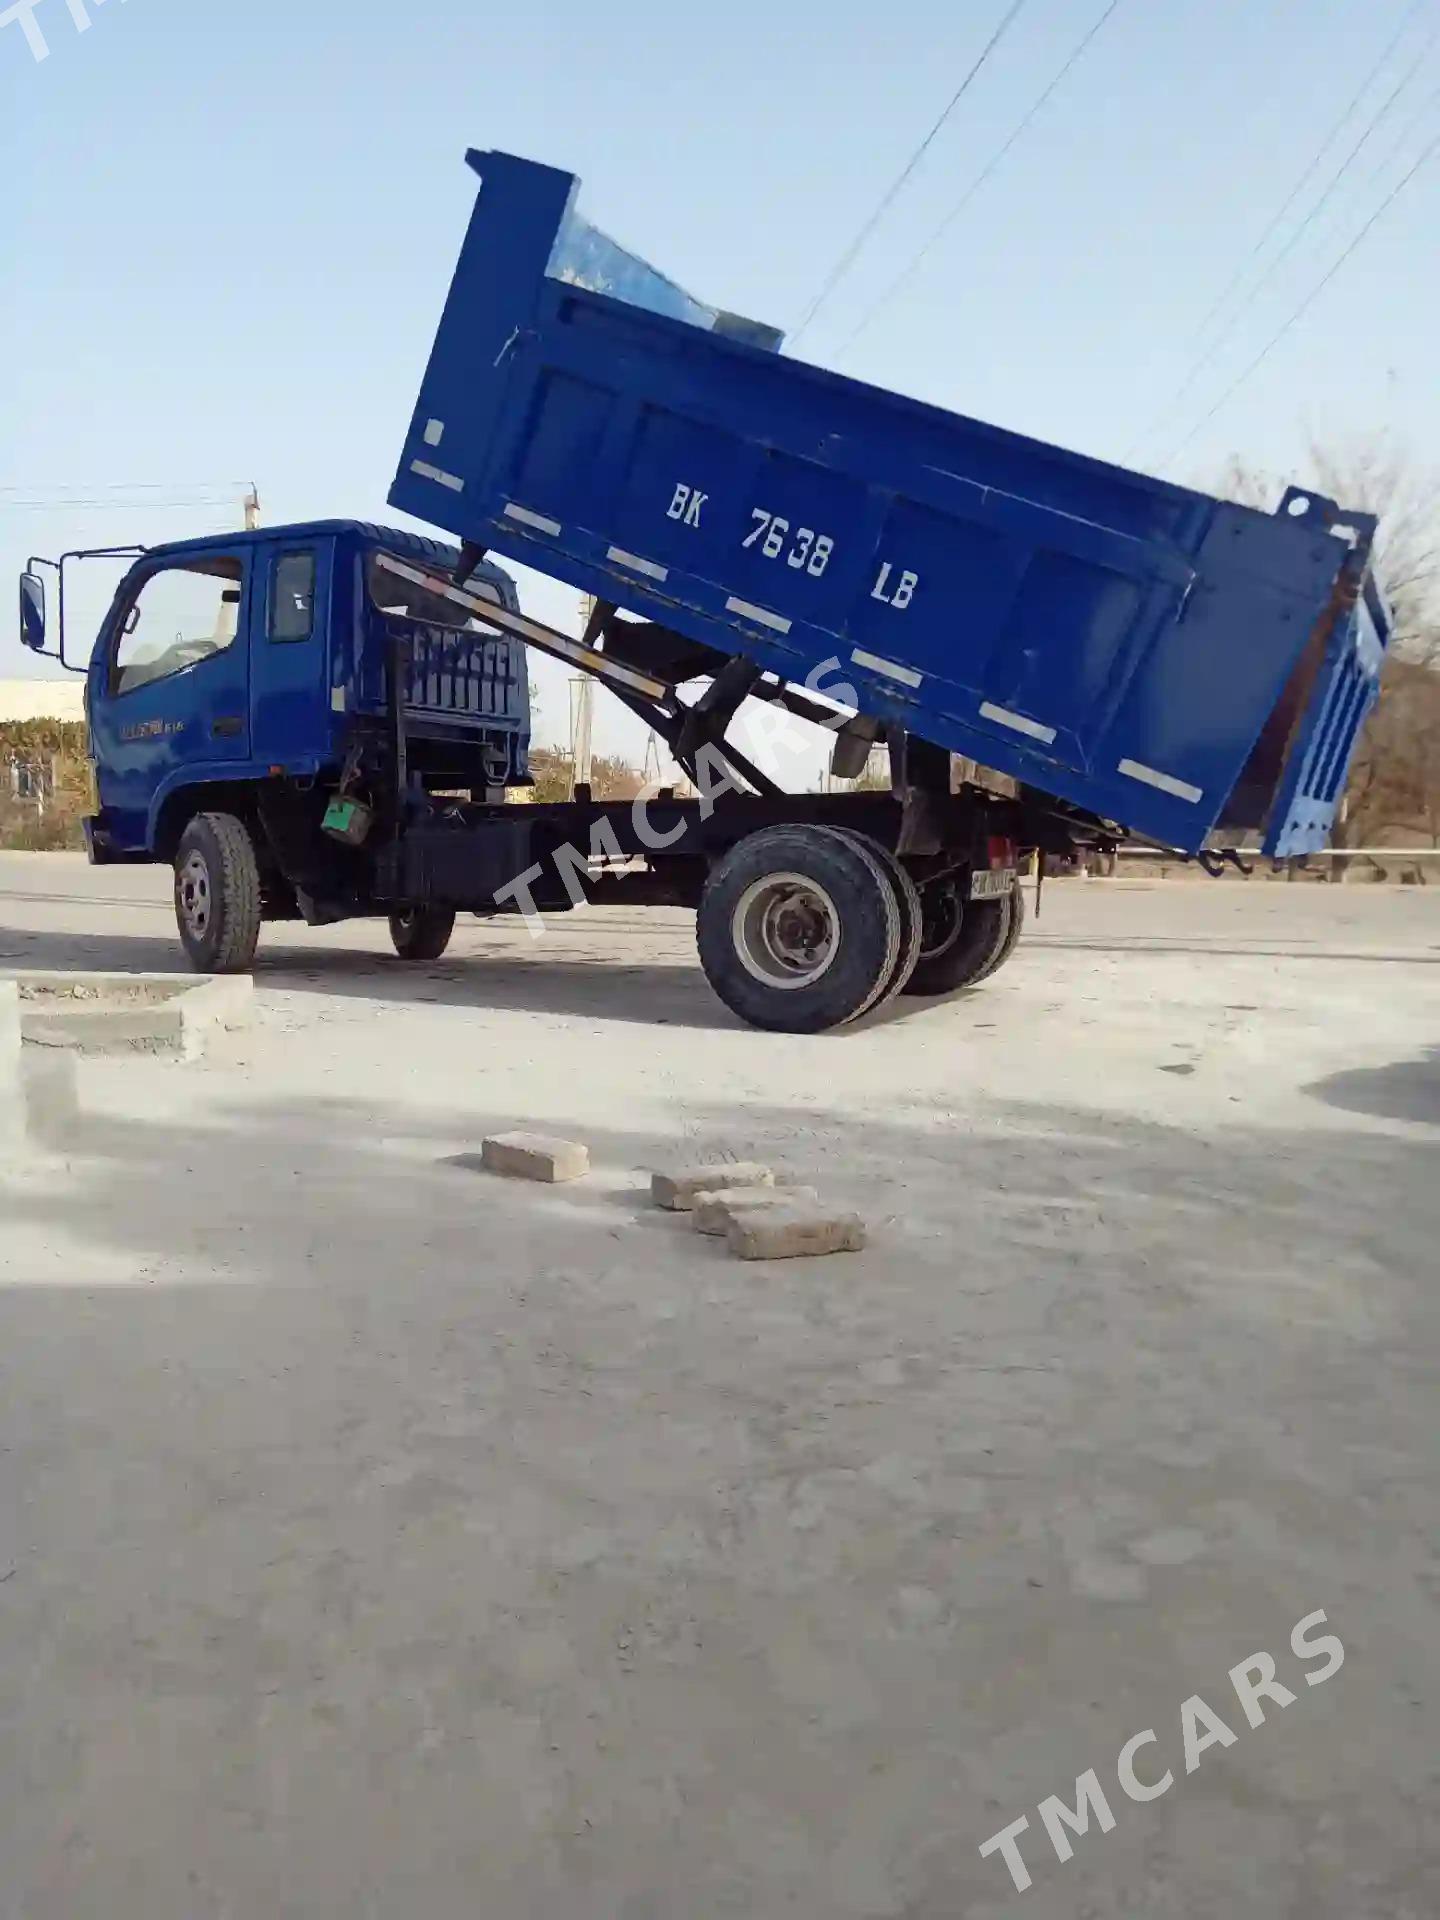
(1012, 937)
(963, 942)
(217, 894)
(907, 899)
(422, 933)
(798, 929)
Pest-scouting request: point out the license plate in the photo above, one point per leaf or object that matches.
(992, 883)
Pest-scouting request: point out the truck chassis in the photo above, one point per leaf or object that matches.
(812, 909)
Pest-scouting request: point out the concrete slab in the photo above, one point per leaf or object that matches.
(9, 1023)
(39, 1104)
(49, 1099)
(130, 1013)
(13, 1134)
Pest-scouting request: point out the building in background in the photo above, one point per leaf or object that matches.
(42, 699)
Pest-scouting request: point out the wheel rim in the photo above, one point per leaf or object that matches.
(786, 930)
(193, 893)
(942, 915)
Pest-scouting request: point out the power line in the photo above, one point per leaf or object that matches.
(843, 264)
(1227, 332)
(121, 486)
(1402, 139)
(1305, 178)
(975, 185)
(1426, 155)
(119, 506)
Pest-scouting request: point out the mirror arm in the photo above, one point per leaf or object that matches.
(32, 564)
(57, 567)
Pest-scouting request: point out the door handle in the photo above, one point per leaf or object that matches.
(228, 726)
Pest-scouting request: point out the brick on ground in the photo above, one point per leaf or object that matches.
(714, 1211)
(678, 1189)
(790, 1232)
(535, 1156)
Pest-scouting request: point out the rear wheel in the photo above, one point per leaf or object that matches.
(963, 940)
(799, 929)
(1012, 938)
(217, 894)
(907, 900)
(422, 933)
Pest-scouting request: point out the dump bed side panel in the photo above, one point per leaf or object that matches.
(1111, 639)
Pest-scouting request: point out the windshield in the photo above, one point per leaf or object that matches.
(405, 600)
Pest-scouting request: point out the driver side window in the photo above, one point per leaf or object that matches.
(181, 616)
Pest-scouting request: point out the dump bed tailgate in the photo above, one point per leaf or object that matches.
(1108, 638)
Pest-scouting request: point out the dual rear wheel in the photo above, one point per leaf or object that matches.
(964, 941)
(804, 928)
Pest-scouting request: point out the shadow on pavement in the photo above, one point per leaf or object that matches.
(574, 976)
(1406, 1090)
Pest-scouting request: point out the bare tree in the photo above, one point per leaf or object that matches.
(1375, 474)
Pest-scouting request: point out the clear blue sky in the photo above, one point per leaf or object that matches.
(229, 227)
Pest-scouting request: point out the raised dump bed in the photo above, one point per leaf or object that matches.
(1160, 659)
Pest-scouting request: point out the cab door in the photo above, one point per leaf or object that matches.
(170, 685)
(290, 697)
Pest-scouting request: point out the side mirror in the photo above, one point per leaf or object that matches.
(32, 612)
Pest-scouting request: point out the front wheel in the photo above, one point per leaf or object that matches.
(217, 894)
(422, 933)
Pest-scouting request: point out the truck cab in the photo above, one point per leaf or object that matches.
(248, 697)
(256, 658)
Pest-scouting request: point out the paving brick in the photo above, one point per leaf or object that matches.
(535, 1156)
(788, 1232)
(678, 1189)
(714, 1211)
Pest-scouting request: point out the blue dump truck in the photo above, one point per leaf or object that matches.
(332, 720)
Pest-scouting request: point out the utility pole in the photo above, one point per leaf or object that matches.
(252, 508)
(582, 715)
(650, 774)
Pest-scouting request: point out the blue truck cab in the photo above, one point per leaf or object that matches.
(1052, 653)
(229, 662)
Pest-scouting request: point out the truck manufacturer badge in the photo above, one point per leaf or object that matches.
(150, 730)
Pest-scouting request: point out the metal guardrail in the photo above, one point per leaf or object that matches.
(1323, 853)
